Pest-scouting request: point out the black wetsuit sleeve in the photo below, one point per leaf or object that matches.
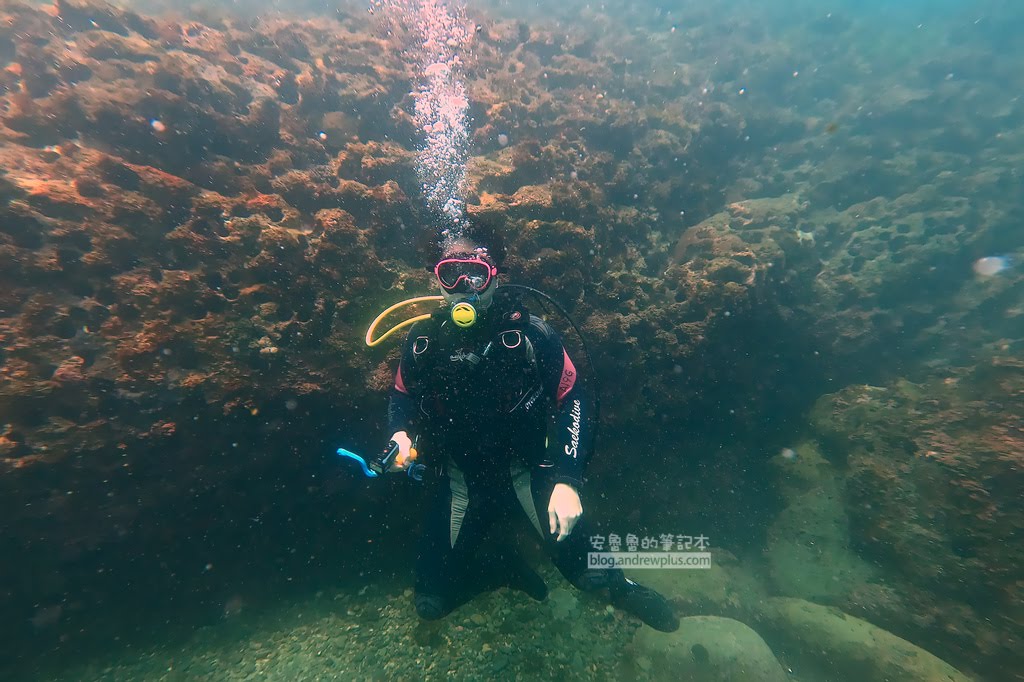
(574, 408)
(404, 392)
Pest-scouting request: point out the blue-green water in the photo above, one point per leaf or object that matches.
(790, 234)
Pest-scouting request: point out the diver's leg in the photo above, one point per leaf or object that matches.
(453, 529)
(570, 558)
(502, 563)
(433, 585)
(512, 568)
(518, 574)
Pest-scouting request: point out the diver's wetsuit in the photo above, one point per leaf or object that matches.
(479, 399)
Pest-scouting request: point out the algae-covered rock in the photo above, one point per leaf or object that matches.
(705, 649)
(932, 491)
(827, 642)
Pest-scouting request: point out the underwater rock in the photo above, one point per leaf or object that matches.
(823, 640)
(727, 588)
(809, 551)
(932, 494)
(705, 649)
(73, 16)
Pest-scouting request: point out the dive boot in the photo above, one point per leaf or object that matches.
(645, 604)
(430, 606)
(521, 576)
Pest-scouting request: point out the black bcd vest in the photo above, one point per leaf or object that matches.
(488, 371)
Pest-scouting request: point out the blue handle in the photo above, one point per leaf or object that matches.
(416, 471)
(362, 462)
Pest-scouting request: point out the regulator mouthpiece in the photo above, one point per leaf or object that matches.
(463, 314)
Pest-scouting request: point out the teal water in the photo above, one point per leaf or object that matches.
(791, 235)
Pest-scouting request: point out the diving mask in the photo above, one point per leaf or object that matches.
(465, 274)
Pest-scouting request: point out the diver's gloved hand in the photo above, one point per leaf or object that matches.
(404, 456)
(564, 510)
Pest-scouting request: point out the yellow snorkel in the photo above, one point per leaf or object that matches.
(371, 342)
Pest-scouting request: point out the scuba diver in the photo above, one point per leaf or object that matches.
(475, 387)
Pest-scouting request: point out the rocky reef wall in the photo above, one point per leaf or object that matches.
(201, 217)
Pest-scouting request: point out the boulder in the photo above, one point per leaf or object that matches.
(809, 551)
(705, 649)
(819, 641)
(727, 588)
